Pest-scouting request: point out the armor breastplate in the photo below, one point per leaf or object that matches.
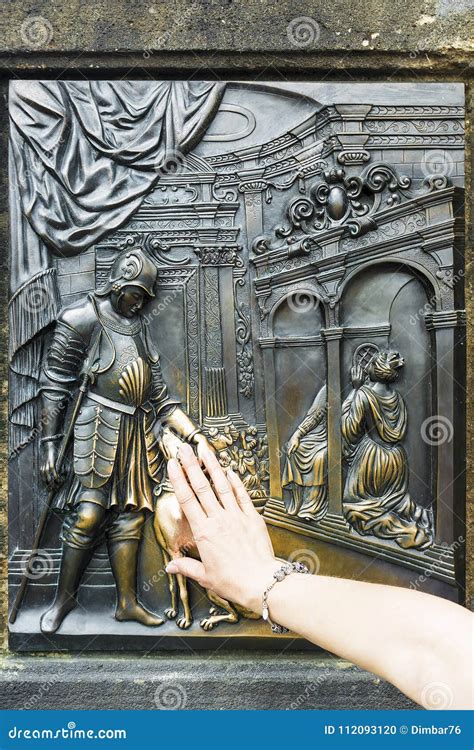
(124, 374)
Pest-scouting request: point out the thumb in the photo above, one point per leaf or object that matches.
(188, 567)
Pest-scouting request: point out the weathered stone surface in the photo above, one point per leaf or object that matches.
(438, 25)
(222, 681)
(238, 34)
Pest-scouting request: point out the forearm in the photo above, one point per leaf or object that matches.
(396, 633)
(416, 641)
(181, 423)
(53, 410)
(312, 420)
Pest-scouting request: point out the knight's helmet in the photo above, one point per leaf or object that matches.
(133, 267)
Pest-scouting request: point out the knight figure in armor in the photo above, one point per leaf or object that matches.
(117, 461)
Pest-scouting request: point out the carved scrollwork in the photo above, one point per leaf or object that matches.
(299, 211)
(436, 182)
(161, 251)
(172, 194)
(222, 191)
(404, 224)
(220, 255)
(407, 126)
(261, 245)
(244, 344)
(349, 201)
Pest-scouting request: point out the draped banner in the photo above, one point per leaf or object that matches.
(83, 156)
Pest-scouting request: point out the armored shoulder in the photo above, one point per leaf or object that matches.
(80, 317)
(68, 346)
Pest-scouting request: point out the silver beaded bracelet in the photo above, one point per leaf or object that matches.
(279, 575)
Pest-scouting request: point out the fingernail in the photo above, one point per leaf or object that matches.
(171, 568)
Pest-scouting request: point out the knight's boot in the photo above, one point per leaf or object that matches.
(73, 564)
(124, 560)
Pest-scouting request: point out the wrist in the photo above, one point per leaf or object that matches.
(253, 595)
(52, 438)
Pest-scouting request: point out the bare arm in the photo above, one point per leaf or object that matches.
(421, 643)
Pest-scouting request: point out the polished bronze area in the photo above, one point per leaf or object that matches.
(290, 293)
(117, 466)
(305, 470)
(374, 422)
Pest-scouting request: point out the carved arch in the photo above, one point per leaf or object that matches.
(429, 280)
(299, 289)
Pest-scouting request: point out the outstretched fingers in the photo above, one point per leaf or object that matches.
(219, 480)
(185, 496)
(198, 480)
(241, 494)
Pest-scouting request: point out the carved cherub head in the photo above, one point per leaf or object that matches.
(384, 366)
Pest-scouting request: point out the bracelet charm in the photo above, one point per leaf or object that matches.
(279, 575)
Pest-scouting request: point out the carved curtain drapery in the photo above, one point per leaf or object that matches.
(83, 156)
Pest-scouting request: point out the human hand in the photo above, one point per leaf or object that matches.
(49, 458)
(237, 559)
(293, 444)
(357, 376)
(202, 444)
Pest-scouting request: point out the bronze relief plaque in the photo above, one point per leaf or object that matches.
(273, 268)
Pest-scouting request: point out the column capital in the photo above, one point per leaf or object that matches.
(329, 334)
(253, 186)
(445, 319)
